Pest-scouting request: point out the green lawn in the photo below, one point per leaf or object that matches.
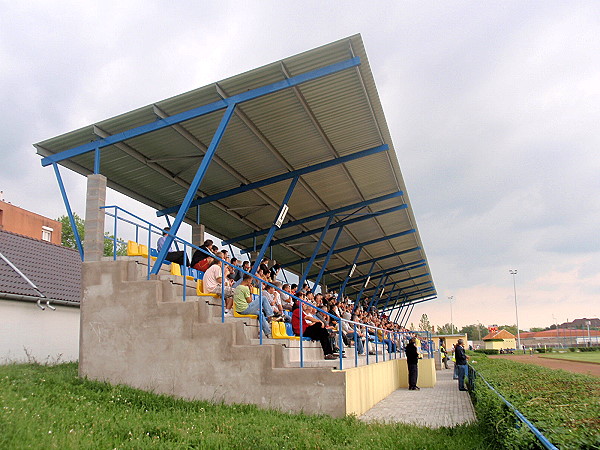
(50, 407)
(591, 357)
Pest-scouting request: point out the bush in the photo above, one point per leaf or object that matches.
(589, 349)
(542, 350)
(563, 406)
(488, 351)
(572, 349)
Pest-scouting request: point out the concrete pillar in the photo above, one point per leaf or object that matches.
(197, 234)
(93, 244)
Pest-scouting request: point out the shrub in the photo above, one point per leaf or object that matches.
(589, 349)
(540, 350)
(488, 351)
(572, 349)
(563, 406)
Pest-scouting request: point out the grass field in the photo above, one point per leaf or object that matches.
(50, 407)
(589, 357)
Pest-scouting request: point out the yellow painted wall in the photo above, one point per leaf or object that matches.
(368, 385)
(505, 343)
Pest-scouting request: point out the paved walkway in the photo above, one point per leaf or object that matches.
(441, 406)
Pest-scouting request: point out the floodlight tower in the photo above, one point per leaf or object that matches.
(513, 272)
(451, 298)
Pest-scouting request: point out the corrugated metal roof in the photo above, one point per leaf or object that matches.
(336, 115)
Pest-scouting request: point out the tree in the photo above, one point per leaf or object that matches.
(109, 245)
(475, 331)
(68, 237)
(424, 324)
(445, 329)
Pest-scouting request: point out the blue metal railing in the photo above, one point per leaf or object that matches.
(397, 337)
(473, 374)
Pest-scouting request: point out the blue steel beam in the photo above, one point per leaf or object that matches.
(274, 227)
(341, 293)
(402, 268)
(314, 255)
(63, 192)
(194, 185)
(200, 111)
(405, 279)
(357, 301)
(327, 258)
(404, 252)
(316, 217)
(335, 225)
(352, 247)
(278, 178)
(419, 291)
(382, 280)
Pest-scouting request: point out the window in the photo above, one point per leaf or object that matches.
(47, 234)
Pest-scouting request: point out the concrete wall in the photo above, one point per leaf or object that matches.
(137, 332)
(20, 221)
(47, 336)
(368, 385)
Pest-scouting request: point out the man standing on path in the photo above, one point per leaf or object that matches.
(412, 359)
(461, 364)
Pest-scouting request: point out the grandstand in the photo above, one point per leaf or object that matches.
(293, 160)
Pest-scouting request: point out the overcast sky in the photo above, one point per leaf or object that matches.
(493, 107)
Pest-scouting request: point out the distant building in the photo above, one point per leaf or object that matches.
(20, 221)
(498, 339)
(581, 323)
(561, 337)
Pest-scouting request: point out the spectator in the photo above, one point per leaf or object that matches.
(312, 328)
(243, 303)
(461, 363)
(412, 360)
(176, 257)
(201, 254)
(213, 283)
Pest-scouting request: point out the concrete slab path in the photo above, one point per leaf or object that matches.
(441, 406)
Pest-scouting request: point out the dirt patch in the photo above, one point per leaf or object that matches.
(569, 366)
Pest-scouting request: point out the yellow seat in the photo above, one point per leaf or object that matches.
(143, 250)
(278, 331)
(133, 248)
(175, 269)
(201, 293)
(237, 314)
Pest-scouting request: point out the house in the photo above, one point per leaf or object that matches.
(40, 293)
(499, 339)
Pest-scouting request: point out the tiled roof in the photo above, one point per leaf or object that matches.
(561, 333)
(55, 270)
(500, 334)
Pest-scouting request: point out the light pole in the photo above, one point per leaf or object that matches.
(451, 319)
(513, 272)
(589, 342)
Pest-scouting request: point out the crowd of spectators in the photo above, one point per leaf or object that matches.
(319, 313)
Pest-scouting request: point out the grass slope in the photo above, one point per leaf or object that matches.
(589, 357)
(50, 407)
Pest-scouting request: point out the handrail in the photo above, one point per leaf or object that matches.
(543, 439)
(339, 320)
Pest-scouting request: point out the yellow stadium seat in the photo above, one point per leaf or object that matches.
(143, 250)
(200, 292)
(133, 248)
(175, 269)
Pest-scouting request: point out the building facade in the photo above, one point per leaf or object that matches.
(20, 221)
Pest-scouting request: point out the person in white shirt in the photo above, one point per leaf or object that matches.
(213, 283)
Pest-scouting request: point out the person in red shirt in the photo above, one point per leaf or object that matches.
(312, 328)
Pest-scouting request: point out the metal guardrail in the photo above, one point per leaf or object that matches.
(473, 375)
(150, 228)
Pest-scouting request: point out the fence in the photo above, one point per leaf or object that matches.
(393, 340)
(473, 376)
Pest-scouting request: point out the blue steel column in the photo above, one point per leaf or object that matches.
(389, 297)
(274, 227)
(327, 258)
(357, 301)
(314, 255)
(69, 212)
(194, 185)
(382, 281)
(341, 293)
